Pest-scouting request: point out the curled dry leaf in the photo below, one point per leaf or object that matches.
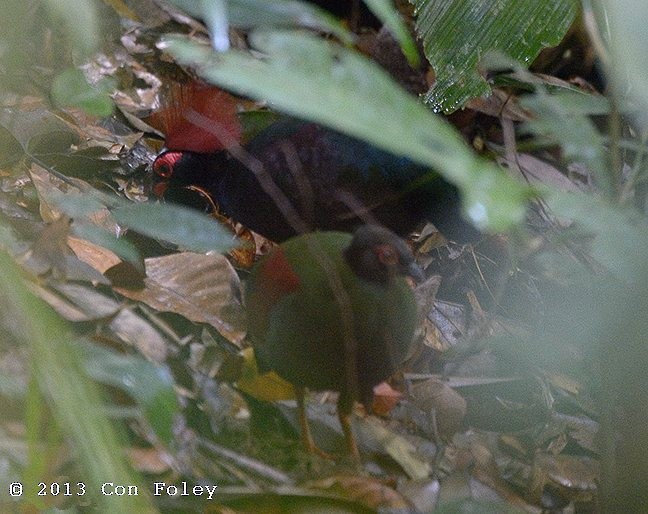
(148, 460)
(445, 406)
(573, 476)
(80, 303)
(202, 288)
(96, 256)
(365, 490)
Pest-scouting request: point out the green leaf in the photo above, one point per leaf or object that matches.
(70, 88)
(79, 206)
(214, 13)
(248, 14)
(626, 21)
(73, 399)
(80, 21)
(456, 33)
(76, 205)
(384, 10)
(150, 385)
(11, 151)
(102, 237)
(175, 224)
(562, 119)
(315, 79)
(620, 234)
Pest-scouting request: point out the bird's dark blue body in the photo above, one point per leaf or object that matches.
(331, 181)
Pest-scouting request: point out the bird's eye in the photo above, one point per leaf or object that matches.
(166, 163)
(387, 255)
(163, 169)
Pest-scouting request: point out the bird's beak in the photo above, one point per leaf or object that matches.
(415, 271)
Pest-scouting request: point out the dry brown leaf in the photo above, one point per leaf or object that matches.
(98, 257)
(148, 460)
(485, 472)
(537, 171)
(47, 185)
(202, 288)
(138, 332)
(80, 303)
(499, 104)
(446, 406)
(361, 489)
(574, 476)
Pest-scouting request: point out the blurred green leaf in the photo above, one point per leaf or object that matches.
(248, 14)
(177, 225)
(626, 20)
(315, 79)
(76, 205)
(385, 12)
(620, 234)
(214, 12)
(10, 148)
(70, 88)
(73, 399)
(562, 119)
(456, 33)
(79, 206)
(102, 237)
(79, 18)
(150, 385)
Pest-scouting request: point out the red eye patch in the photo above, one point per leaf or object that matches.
(165, 164)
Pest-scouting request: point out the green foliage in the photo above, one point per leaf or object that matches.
(172, 223)
(385, 12)
(319, 80)
(178, 225)
(149, 384)
(620, 234)
(629, 56)
(79, 20)
(249, 14)
(564, 119)
(74, 400)
(457, 33)
(70, 89)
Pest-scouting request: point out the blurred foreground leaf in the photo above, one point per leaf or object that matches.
(151, 385)
(73, 399)
(562, 119)
(70, 88)
(178, 225)
(385, 12)
(248, 14)
(318, 80)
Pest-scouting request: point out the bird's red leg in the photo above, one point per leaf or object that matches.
(307, 438)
